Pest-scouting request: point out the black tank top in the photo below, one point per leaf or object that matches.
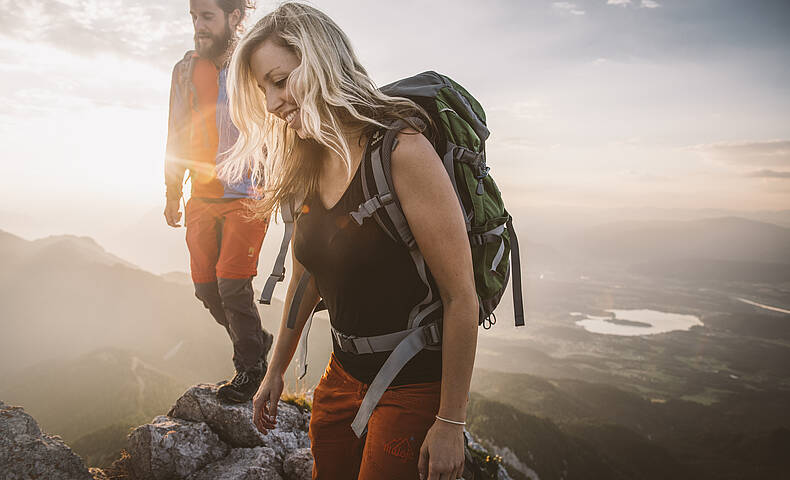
(368, 281)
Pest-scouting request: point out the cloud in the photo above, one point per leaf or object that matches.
(51, 80)
(774, 153)
(633, 175)
(568, 7)
(622, 3)
(156, 32)
(650, 4)
(765, 173)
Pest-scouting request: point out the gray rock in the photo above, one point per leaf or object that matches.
(170, 447)
(298, 465)
(233, 422)
(27, 453)
(258, 463)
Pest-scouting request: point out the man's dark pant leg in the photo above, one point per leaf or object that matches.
(244, 323)
(208, 293)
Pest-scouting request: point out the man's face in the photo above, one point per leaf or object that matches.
(212, 31)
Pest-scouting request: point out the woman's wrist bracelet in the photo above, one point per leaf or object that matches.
(450, 421)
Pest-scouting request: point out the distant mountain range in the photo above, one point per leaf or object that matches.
(92, 400)
(725, 238)
(62, 297)
(56, 249)
(92, 345)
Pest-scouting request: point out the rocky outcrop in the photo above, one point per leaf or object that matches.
(233, 422)
(172, 447)
(28, 453)
(243, 463)
(299, 464)
(202, 438)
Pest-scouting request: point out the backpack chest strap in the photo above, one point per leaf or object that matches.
(384, 343)
(416, 340)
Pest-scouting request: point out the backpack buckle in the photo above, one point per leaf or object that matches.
(470, 157)
(433, 336)
(346, 342)
(367, 209)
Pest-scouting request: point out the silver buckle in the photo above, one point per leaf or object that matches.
(346, 342)
(433, 336)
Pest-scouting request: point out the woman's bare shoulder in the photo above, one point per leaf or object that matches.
(413, 149)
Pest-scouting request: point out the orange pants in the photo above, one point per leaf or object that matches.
(396, 430)
(222, 242)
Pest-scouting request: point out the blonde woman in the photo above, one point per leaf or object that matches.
(298, 92)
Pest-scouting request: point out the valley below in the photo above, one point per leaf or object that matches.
(623, 371)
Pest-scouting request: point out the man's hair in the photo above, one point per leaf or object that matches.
(243, 6)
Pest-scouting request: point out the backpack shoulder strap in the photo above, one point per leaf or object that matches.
(288, 210)
(380, 193)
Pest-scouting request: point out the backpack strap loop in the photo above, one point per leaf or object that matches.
(301, 352)
(287, 210)
(296, 301)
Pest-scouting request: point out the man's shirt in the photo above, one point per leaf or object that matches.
(200, 131)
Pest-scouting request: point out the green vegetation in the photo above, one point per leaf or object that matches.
(102, 447)
(299, 401)
(536, 441)
(633, 437)
(489, 464)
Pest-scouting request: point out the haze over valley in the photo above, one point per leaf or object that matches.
(117, 344)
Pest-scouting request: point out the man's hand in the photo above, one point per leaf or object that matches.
(173, 213)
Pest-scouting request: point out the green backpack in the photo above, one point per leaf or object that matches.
(459, 140)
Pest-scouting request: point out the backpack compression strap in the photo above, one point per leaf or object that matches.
(293, 311)
(518, 302)
(287, 210)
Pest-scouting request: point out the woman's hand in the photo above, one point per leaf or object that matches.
(264, 403)
(442, 452)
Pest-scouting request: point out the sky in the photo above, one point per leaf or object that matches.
(640, 103)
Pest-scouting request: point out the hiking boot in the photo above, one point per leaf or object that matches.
(246, 381)
(243, 385)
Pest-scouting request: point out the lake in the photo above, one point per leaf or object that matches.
(766, 307)
(636, 322)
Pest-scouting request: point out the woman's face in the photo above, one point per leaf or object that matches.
(271, 64)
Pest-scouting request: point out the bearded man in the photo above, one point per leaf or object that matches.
(223, 244)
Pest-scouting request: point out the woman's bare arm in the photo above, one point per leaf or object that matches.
(264, 404)
(435, 217)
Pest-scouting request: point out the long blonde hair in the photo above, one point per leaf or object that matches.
(330, 86)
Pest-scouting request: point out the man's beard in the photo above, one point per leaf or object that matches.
(219, 44)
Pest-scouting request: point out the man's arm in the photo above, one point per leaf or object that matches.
(176, 149)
